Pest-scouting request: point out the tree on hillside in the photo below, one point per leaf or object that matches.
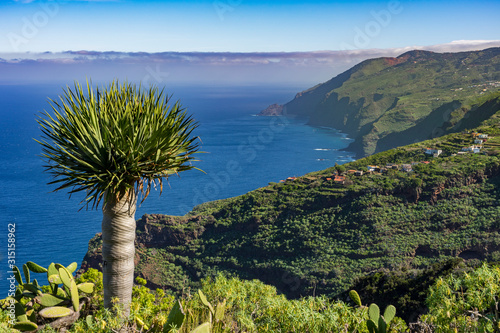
(115, 144)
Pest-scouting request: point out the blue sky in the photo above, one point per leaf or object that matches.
(240, 25)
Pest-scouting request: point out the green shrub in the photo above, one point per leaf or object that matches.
(466, 303)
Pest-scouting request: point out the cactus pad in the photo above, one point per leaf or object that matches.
(204, 301)
(389, 313)
(72, 267)
(35, 268)
(86, 287)
(89, 320)
(50, 300)
(17, 275)
(61, 293)
(52, 270)
(203, 328)
(55, 279)
(19, 311)
(374, 313)
(55, 312)
(65, 276)
(25, 326)
(75, 298)
(382, 325)
(175, 317)
(372, 328)
(220, 310)
(31, 288)
(26, 272)
(355, 297)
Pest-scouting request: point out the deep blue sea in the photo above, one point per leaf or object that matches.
(243, 152)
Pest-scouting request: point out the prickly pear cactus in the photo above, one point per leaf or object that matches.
(25, 326)
(55, 303)
(220, 310)
(377, 323)
(353, 294)
(175, 317)
(55, 312)
(203, 328)
(50, 300)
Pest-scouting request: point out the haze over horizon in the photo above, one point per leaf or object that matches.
(227, 41)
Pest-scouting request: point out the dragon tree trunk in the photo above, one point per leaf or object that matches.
(118, 250)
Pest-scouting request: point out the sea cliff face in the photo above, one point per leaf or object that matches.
(272, 110)
(389, 102)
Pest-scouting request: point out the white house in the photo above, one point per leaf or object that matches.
(407, 167)
(478, 141)
(483, 136)
(434, 152)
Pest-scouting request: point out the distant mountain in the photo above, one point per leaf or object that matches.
(389, 102)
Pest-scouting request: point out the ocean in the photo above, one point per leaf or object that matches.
(241, 152)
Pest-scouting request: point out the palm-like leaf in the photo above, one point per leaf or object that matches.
(111, 140)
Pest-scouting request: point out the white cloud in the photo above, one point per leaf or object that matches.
(464, 45)
(231, 58)
(302, 67)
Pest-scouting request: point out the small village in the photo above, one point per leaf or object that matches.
(340, 178)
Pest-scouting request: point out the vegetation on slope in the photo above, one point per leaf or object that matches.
(459, 302)
(314, 236)
(386, 102)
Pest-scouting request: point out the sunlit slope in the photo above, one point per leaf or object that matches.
(389, 102)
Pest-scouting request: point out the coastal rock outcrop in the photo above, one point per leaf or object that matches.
(272, 110)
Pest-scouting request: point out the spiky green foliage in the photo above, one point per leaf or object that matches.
(106, 142)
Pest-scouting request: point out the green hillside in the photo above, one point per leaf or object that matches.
(388, 102)
(315, 235)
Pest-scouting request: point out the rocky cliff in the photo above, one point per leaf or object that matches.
(272, 110)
